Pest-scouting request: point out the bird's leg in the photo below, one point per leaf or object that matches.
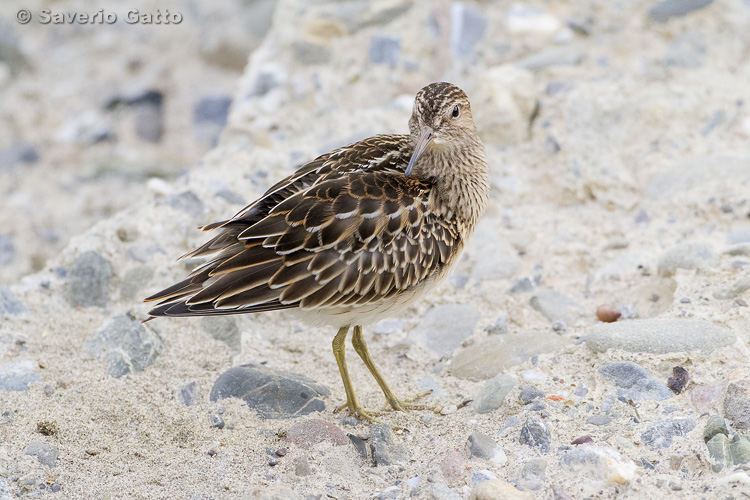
(358, 341)
(339, 348)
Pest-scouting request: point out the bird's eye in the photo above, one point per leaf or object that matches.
(455, 112)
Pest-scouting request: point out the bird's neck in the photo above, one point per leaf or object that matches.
(462, 183)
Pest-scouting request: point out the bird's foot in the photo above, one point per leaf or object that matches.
(398, 404)
(359, 413)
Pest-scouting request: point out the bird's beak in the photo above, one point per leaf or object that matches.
(425, 139)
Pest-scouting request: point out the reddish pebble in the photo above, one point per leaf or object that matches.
(310, 432)
(607, 314)
(582, 440)
(555, 398)
(453, 466)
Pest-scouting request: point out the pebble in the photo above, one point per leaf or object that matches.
(493, 393)
(216, 421)
(687, 256)
(536, 435)
(481, 476)
(529, 394)
(44, 452)
(530, 20)
(225, 329)
(485, 359)
(189, 203)
(667, 9)
(9, 304)
(311, 432)
(732, 291)
(533, 376)
(498, 489)
(272, 393)
(496, 259)
(715, 425)
(521, 286)
(679, 379)
(706, 398)
(599, 420)
(634, 381)
(737, 405)
(533, 474)
(598, 462)
(384, 449)
(302, 466)
(384, 50)
(717, 451)
(482, 446)
(189, 394)
(390, 493)
(20, 153)
(607, 314)
(134, 281)
(659, 336)
(499, 327)
(125, 344)
(360, 445)
(468, 26)
(311, 53)
(661, 434)
(453, 466)
(439, 491)
(555, 306)
(149, 115)
(17, 376)
(7, 250)
(88, 281)
(444, 327)
(213, 109)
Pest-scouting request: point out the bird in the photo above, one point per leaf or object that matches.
(353, 236)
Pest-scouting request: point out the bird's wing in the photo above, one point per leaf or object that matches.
(347, 240)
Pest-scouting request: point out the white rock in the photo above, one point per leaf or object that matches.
(599, 462)
(498, 489)
(533, 376)
(527, 20)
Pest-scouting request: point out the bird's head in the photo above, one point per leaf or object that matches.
(441, 120)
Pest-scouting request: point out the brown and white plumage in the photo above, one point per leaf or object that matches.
(356, 233)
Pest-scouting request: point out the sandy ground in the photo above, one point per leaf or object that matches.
(612, 138)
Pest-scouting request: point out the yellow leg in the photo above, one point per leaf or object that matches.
(339, 348)
(358, 341)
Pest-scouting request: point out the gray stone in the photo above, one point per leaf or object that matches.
(737, 405)
(9, 304)
(439, 491)
(699, 172)
(272, 393)
(687, 256)
(45, 453)
(125, 344)
(384, 50)
(482, 446)
(739, 450)
(189, 203)
(732, 291)
(360, 445)
(212, 109)
(529, 394)
(739, 236)
(634, 381)
(485, 359)
(445, 327)
(481, 476)
(468, 25)
(521, 286)
(7, 250)
(661, 434)
(390, 493)
(20, 153)
(311, 53)
(134, 281)
(189, 394)
(216, 421)
(659, 336)
(385, 451)
(556, 306)
(553, 56)
(532, 475)
(494, 257)
(715, 425)
(717, 451)
(667, 9)
(492, 394)
(597, 462)
(599, 420)
(535, 435)
(499, 327)
(88, 281)
(225, 329)
(17, 376)
(302, 466)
